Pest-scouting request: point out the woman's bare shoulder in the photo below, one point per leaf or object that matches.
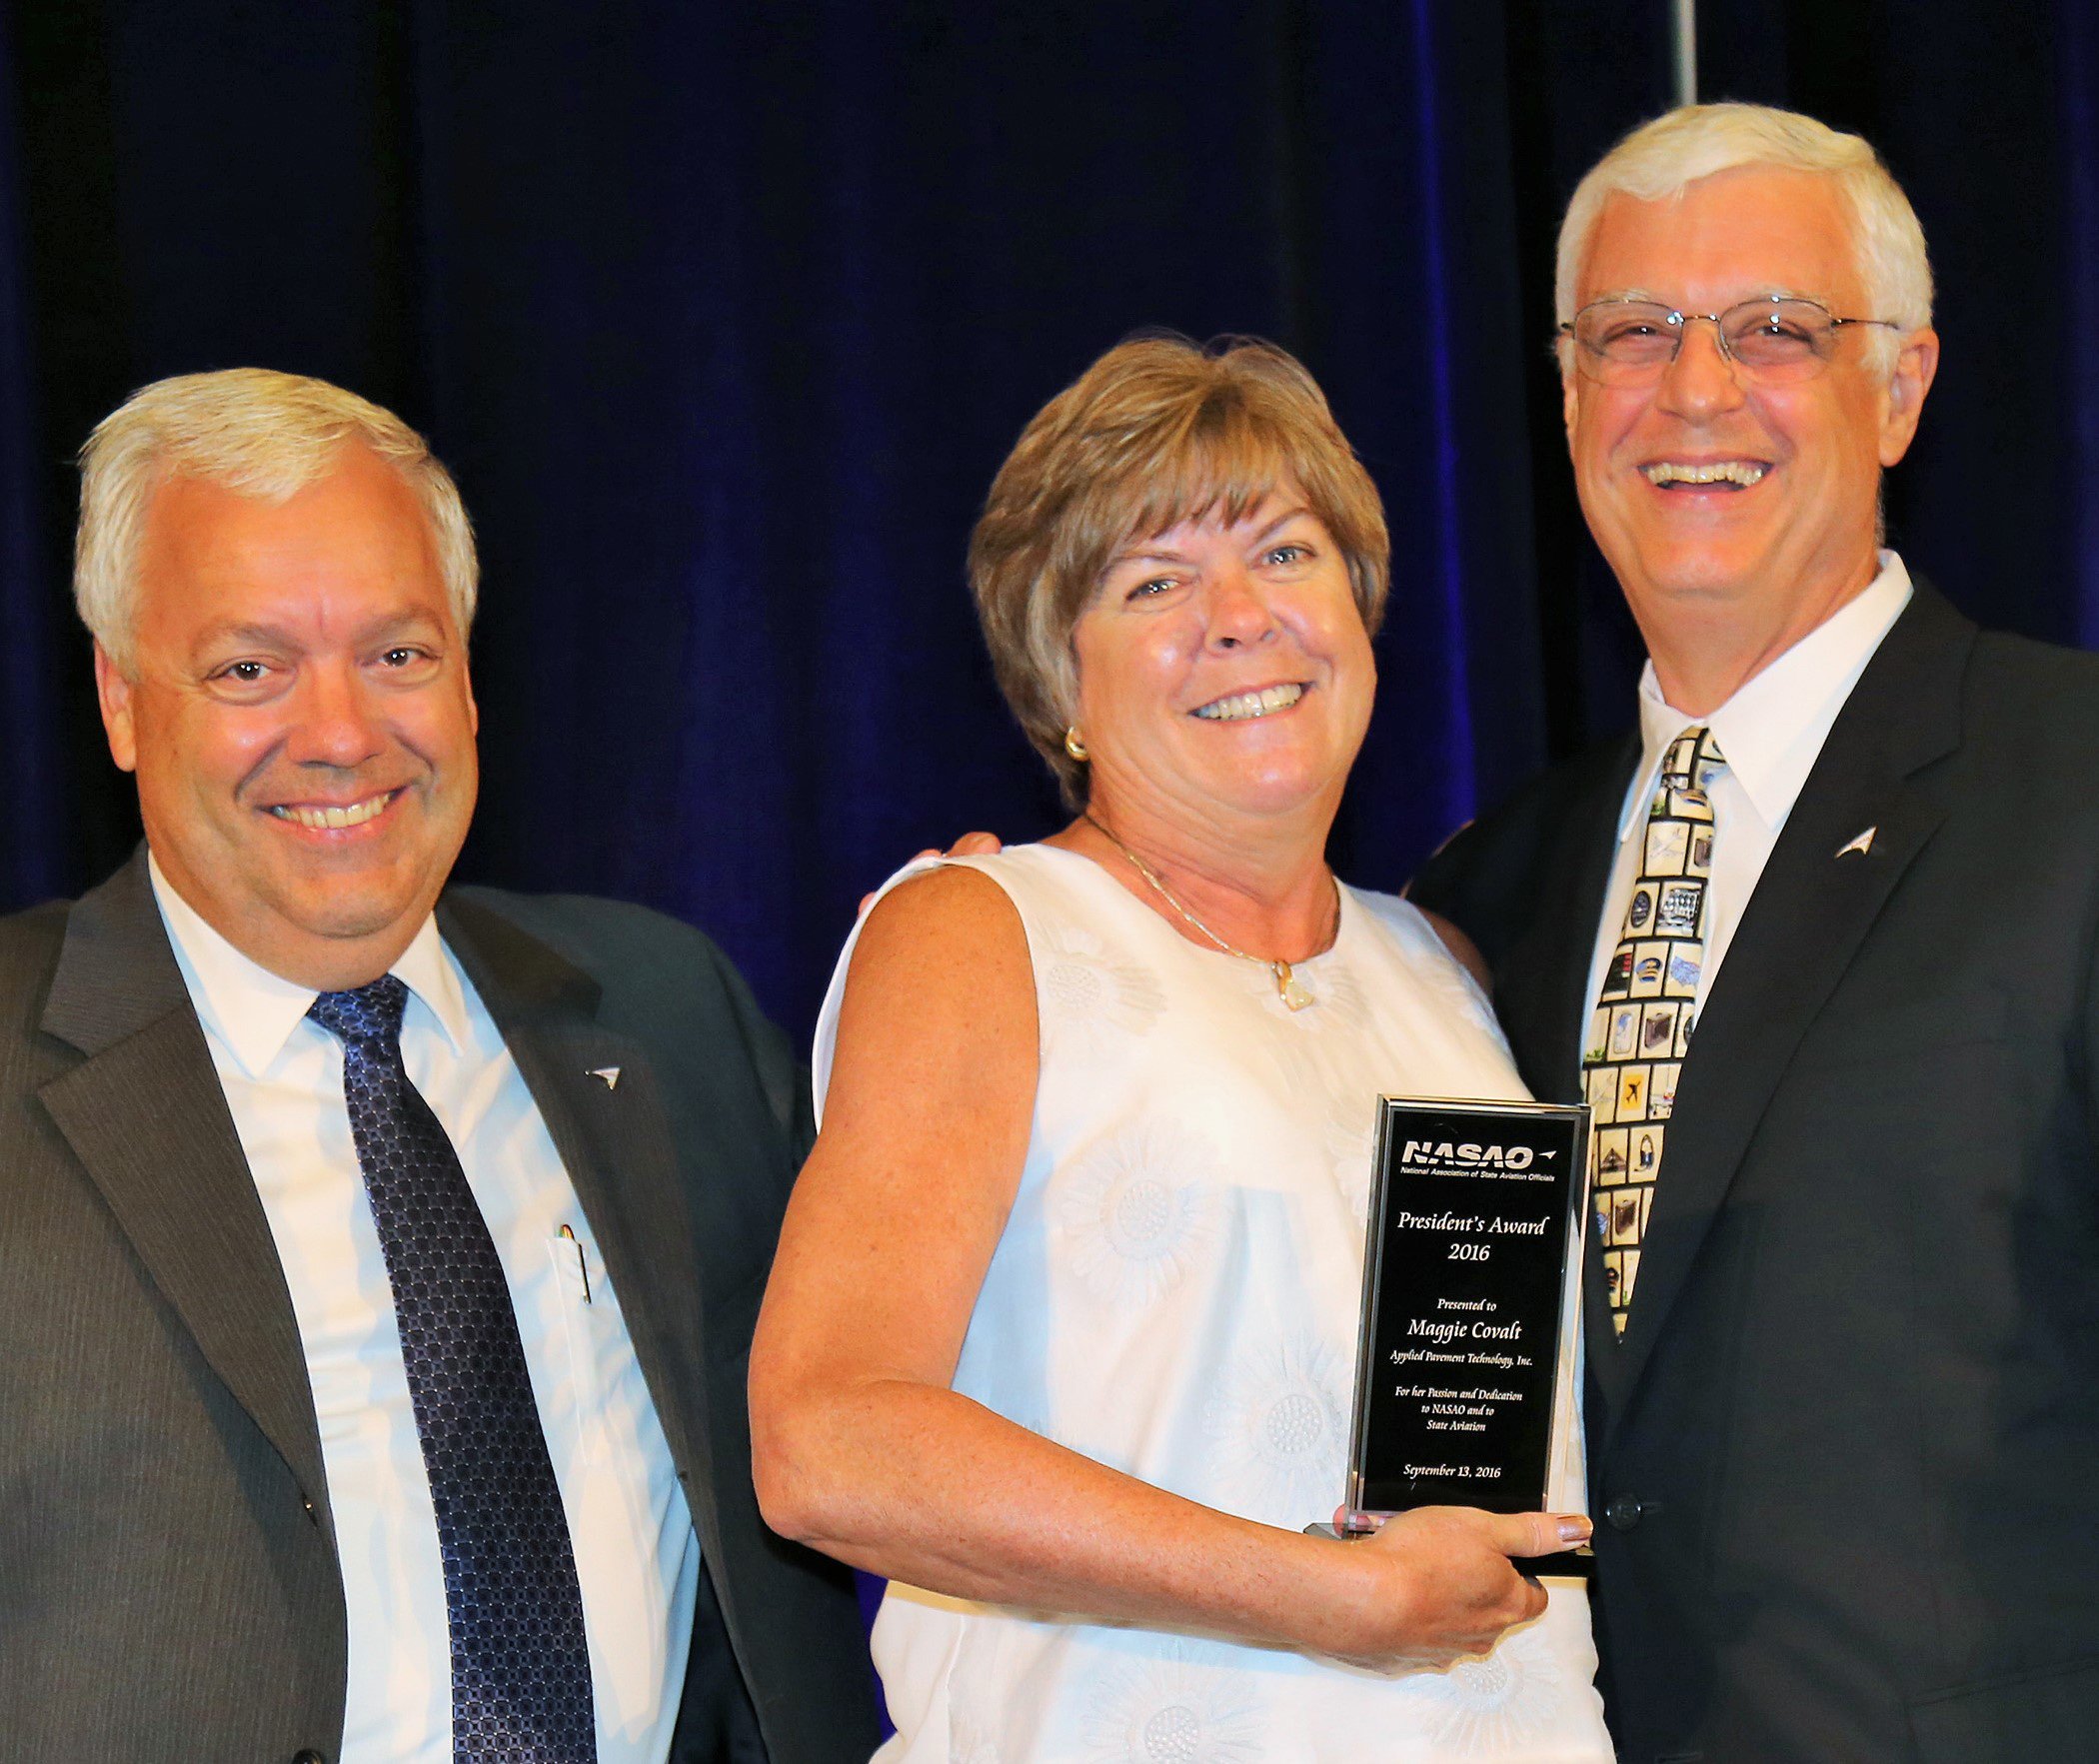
(946, 944)
(953, 902)
(936, 1060)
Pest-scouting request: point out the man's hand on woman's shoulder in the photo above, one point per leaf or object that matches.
(971, 845)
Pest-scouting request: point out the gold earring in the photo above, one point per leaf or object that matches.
(1074, 746)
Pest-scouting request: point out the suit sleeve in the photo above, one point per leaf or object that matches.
(1441, 885)
(1483, 881)
(782, 1074)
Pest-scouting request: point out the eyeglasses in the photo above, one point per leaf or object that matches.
(1771, 341)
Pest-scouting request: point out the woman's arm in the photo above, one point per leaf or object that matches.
(862, 1449)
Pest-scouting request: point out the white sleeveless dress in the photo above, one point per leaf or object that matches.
(1176, 1295)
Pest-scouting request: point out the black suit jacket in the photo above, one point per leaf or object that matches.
(1843, 1460)
(169, 1586)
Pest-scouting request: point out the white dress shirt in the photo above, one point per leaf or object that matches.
(1771, 733)
(636, 1553)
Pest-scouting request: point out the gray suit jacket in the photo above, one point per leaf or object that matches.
(169, 1585)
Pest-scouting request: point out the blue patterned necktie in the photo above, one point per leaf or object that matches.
(521, 1669)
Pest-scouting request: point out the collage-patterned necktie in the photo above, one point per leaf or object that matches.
(521, 1664)
(1641, 1026)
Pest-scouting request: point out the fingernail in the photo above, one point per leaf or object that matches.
(1574, 1529)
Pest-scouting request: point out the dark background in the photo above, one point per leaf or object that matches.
(725, 315)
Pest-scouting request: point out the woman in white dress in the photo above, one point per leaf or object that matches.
(1061, 1335)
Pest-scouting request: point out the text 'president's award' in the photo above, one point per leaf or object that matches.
(1471, 1280)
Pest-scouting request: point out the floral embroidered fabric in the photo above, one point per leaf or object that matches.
(1176, 1295)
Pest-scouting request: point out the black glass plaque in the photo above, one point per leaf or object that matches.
(1475, 1241)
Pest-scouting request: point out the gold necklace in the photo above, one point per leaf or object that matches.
(1288, 988)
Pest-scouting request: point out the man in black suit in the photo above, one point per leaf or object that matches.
(1818, 944)
(380, 1259)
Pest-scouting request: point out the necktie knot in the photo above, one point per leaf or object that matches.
(367, 1013)
(1693, 761)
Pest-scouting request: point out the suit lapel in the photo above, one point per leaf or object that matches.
(1541, 992)
(146, 1115)
(1810, 912)
(613, 1141)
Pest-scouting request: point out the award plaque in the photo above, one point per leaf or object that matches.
(1476, 1230)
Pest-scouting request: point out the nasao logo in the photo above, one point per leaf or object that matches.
(1500, 1158)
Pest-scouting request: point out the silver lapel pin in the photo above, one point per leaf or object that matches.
(1862, 844)
(609, 1073)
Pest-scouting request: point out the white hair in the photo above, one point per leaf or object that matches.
(1661, 157)
(259, 434)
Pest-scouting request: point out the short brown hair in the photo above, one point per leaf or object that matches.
(1159, 431)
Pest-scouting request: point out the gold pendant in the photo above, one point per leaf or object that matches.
(1291, 990)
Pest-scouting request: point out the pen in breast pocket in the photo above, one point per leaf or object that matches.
(583, 1265)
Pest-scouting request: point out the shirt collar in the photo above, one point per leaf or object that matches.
(253, 1013)
(1773, 728)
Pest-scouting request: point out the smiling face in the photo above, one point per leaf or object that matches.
(1225, 667)
(1718, 501)
(299, 717)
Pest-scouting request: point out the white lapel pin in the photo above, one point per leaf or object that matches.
(609, 1073)
(1862, 844)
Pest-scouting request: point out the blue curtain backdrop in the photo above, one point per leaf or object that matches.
(725, 315)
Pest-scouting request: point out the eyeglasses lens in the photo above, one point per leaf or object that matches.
(1624, 342)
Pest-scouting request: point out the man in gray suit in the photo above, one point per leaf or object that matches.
(380, 1259)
